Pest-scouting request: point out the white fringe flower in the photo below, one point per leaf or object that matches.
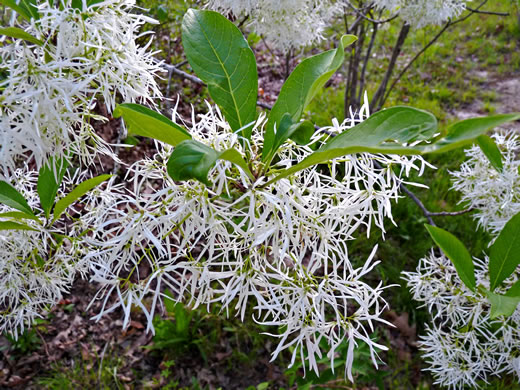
(36, 266)
(495, 195)
(286, 24)
(283, 247)
(463, 346)
(421, 13)
(89, 55)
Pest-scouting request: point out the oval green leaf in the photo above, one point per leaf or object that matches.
(377, 134)
(491, 151)
(49, 180)
(25, 8)
(302, 86)
(11, 197)
(8, 225)
(300, 133)
(502, 305)
(456, 252)
(504, 254)
(15, 32)
(147, 123)
(18, 215)
(193, 160)
(219, 54)
(465, 132)
(80, 190)
(514, 290)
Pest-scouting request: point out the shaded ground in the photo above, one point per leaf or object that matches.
(507, 100)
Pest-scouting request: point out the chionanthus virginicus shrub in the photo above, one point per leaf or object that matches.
(475, 329)
(236, 208)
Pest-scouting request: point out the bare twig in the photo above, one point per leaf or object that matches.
(362, 15)
(376, 104)
(450, 213)
(267, 106)
(45, 347)
(368, 53)
(417, 201)
(434, 39)
(172, 69)
(477, 11)
(403, 71)
(243, 21)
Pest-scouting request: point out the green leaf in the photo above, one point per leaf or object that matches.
(80, 190)
(148, 123)
(514, 290)
(502, 305)
(18, 215)
(49, 181)
(456, 252)
(8, 225)
(11, 197)
(234, 157)
(491, 151)
(25, 8)
(465, 132)
(15, 32)
(193, 160)
(302, 86)
(182, 319)
(169, 301)
(300, 132)
(219, 54)
(402, 124)
(504, 254)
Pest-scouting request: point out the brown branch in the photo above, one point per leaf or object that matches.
(435, 38)
(450, 213)
(417, 201)
(362, 78)
(403, 71)
(376, 103)
(173, 70)
(375, 21)
(477, 11)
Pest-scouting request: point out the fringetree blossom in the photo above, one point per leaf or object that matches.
(37, 266)
(280, 249)
(495, 195)
(286, 24)
(88, 55)
(291, 24)
(421, 13)
(463, 345)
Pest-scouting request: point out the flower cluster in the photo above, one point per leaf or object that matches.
(285, 23)
(421, 13)
(87, 55)
(280, 249)
(37, 266)
(495, 195)
(463, 345)
(297, 23)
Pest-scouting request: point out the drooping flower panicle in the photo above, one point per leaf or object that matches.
(88, 56)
